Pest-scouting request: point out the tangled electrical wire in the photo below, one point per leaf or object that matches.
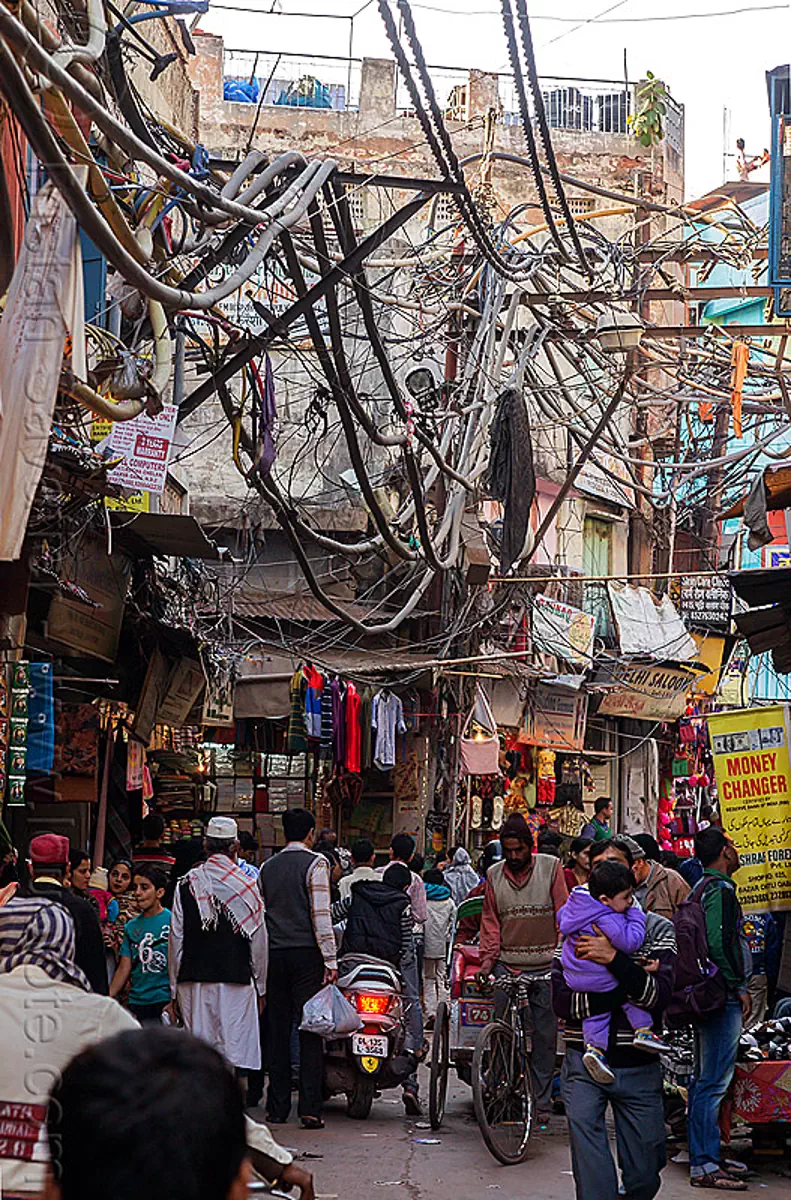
(471, 309)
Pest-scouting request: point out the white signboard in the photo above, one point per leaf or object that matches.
(594, 481)
(145, 444)
(562, 630)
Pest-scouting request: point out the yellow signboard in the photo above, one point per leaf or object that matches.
(134, 502)
(753, 770)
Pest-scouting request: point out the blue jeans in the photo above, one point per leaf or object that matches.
(635, 1097)
(716, 1043)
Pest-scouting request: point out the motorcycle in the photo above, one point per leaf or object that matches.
(374, 1057)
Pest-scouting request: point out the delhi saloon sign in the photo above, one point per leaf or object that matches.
(647, 693)
(753, 772)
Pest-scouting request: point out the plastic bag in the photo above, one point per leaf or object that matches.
(330, 1014)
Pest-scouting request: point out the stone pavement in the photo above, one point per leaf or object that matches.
(385, 1158)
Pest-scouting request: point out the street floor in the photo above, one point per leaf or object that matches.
(391, 1156)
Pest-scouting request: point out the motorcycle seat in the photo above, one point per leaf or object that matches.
(356, 969)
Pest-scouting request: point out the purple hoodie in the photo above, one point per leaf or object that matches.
(578, 915)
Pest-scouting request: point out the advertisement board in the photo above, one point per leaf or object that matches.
(753, 772)
(562, 630)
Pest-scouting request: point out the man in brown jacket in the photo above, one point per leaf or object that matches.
(659, 889)
(524, 893)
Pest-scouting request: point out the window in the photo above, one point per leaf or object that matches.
(358, 206)
(445, 211)
(581, 205)
(597, 560)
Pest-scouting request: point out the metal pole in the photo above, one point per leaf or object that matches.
(349, 66)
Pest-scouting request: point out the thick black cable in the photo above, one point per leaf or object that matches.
(527, 126)
(545, 135)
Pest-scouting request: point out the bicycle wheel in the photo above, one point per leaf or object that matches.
(440, 1064)
(502, 1093)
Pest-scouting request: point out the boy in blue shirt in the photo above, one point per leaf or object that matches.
(144, 949)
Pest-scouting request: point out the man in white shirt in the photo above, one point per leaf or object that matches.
(48, 1013)
(218, 950)
(363, 856)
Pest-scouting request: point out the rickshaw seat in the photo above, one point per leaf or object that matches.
(466, 963)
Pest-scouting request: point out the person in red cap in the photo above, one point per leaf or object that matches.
(519, 934)
(48, 862)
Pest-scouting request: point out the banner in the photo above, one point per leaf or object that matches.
(753, 771)
(562, 630)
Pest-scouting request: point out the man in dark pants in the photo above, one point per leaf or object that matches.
(636, 1093)
(302, 958)
(48, 862)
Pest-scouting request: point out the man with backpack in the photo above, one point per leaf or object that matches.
(717, 1002)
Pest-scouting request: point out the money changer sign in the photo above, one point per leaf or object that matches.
(753, 770)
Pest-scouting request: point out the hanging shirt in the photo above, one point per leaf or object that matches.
(366, 745)
(325, 750)
(297, 734)
(353, 738)
(315, 686)
(338, 722)
(387, 718)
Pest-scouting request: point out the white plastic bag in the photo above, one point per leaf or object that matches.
(330, 1014)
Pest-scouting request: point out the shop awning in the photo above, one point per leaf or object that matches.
(166, 534)
(286, 606)
(777, 487)
(767, 626)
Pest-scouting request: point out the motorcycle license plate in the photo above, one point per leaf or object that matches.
(371, 1045)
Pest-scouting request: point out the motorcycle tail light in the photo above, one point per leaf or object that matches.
(369, 1004)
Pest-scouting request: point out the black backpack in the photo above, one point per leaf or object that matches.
(698, 986)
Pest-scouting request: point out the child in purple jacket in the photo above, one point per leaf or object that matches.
(606, 902)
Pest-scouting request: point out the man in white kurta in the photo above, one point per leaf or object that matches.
(218, 950)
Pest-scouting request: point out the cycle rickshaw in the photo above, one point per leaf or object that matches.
(457, 1024)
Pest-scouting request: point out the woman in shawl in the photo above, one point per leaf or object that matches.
(461, 877)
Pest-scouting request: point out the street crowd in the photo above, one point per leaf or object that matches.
(131, 997)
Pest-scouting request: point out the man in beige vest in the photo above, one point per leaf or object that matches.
(523, 895)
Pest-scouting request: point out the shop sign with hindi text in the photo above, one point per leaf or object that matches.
(753, 772)
(647, 693)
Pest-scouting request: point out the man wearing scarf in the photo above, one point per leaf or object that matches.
(218, 950)
(48, 1013)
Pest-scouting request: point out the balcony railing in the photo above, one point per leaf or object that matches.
(333, 83)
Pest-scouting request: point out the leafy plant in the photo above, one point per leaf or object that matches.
(648, 123)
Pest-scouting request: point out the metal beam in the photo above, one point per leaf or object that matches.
(688, 294)
(669, 332)
(407, 182)
(686, 254)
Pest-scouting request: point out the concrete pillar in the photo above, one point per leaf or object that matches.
(378, 89)
(205, 71)
(484, 92)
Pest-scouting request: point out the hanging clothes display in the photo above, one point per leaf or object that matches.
(353, 707)
(297, 741)
(387, 718)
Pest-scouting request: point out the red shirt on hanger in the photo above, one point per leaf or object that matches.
(353, 731)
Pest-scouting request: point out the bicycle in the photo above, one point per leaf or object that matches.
(502, 1090)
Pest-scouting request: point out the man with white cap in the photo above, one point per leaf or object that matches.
(219, 950)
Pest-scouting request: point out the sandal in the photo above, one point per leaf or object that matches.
(736, 1170)
(718, 1180)
(312, 1123)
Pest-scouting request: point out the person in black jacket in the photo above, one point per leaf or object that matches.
(379, 917)
(49, 859)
